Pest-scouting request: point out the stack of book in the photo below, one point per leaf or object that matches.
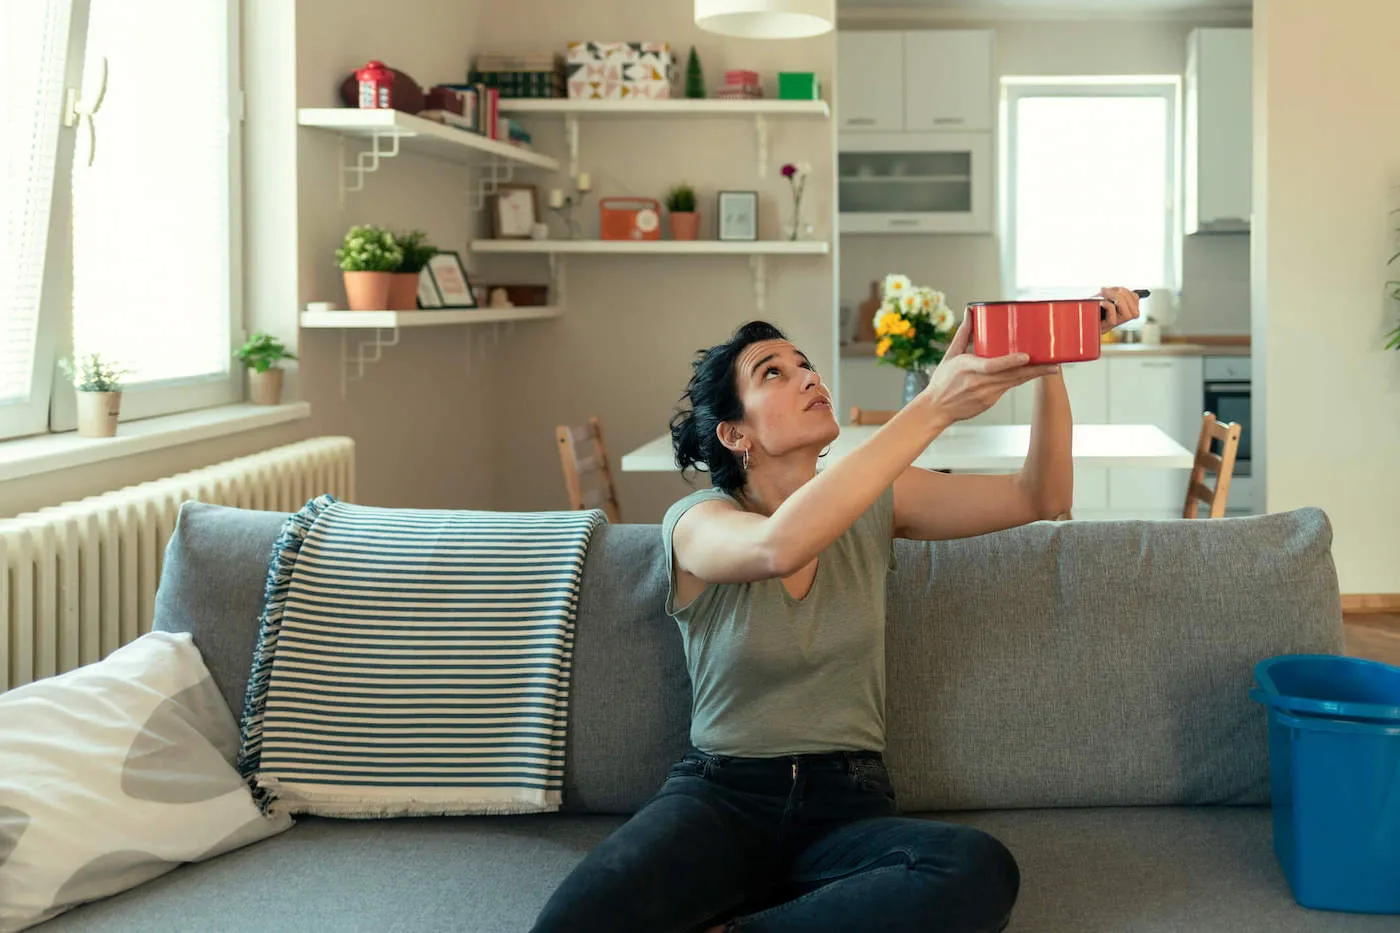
(740, 85)
(531, 74)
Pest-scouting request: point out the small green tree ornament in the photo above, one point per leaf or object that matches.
(694, 77)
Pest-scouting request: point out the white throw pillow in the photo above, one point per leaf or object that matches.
(115, 773)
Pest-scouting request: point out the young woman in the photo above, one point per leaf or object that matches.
(782, 817)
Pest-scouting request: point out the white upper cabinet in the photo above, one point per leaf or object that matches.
(1219, 130)
(870, 81)
(948, 80)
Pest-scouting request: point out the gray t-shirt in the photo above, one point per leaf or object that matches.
(773, 675)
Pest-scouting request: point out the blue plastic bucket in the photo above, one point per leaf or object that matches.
(1330, 685)
(1336, 810)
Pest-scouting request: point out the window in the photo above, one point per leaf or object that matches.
(1090, 182)
(121, 229)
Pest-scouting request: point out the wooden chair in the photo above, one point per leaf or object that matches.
(587, 476)
(870, 415)
(1222, 465)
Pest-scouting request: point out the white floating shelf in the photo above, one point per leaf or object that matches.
(657, 247)
(669, 108)
(395, 319)
(417, 135)
(392, 132)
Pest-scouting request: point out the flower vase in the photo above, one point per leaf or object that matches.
(796, 229)
(915, 381)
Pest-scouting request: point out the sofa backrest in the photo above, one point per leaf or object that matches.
(1054, 665)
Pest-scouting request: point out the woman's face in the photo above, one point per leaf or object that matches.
(786, 406)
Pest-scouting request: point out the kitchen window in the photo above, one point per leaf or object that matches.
(119, 191)
(1089, 181)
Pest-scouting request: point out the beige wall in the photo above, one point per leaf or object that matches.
(1215, 269)
(622, 349)
(1327, 162)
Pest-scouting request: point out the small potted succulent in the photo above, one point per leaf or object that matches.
(403, 291)
(368, 257)
(260, 356)
(99, 386)
(685, 221)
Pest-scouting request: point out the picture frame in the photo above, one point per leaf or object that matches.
(428, 295)
(738, 215)
(450, 279)
(515, 209)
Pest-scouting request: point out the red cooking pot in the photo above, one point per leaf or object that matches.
(1049, 331)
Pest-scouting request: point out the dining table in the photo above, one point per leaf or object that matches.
(983, 448)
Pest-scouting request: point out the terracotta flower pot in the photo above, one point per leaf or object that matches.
(265, 388)
(97, 413)
(685, 225)
(403, 291)
(368, 291)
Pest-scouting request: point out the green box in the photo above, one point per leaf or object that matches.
(798, 85)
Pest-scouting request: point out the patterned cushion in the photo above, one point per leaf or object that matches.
(113, 774)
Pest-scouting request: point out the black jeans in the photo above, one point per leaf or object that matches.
(802, 842)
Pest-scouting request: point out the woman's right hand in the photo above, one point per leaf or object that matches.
(964, 385)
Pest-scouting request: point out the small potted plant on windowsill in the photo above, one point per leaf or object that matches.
(260, 356)
(368, 258)
(403, 292)
(685, 220)
(99, 386)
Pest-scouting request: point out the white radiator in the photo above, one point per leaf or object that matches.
(78, 581)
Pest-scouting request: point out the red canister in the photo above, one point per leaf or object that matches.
(376, 86)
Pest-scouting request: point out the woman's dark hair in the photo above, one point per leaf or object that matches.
(713, 393)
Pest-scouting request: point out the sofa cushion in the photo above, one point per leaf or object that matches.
(1132, 870)
(1081, 663)
(1099, 663)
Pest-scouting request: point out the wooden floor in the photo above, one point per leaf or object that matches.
(1375, 636)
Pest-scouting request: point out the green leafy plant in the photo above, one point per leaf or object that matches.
(262, 352)
(94, 374)
(1392, 341)
(368, 248)
(416, 250)
(681, 199)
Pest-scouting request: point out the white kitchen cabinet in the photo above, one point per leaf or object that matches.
(1162, 391)
(1087, 385)
(870, 81)
(915, 183)
(948, 80)
(1219, 130)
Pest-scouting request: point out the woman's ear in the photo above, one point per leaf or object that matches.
(730, 436)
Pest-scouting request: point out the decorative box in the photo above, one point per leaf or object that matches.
(620, 70)
(798, 85)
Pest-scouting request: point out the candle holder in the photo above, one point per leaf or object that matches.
(566, 213)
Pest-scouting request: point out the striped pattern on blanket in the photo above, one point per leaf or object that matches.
(414, 662)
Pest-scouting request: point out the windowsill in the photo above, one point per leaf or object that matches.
(44, 453)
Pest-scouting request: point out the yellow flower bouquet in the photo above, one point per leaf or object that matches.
(913, 325)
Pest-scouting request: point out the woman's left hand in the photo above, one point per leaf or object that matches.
(1120, 306)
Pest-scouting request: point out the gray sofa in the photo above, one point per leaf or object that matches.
(1078, 690)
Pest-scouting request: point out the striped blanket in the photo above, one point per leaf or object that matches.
(414, 662)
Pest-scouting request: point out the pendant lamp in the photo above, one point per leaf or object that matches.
(766, 19)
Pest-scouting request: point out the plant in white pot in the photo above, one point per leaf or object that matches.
(368, 257)
(403, 293)
(260, 356)
(99, 386)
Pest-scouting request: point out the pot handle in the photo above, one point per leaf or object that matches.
(1140, 292)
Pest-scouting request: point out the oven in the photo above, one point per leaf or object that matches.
(1226, 395)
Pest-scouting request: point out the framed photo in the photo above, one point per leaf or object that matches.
(515, 211)
(428, 296)
(738, 215)
(450, 279)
